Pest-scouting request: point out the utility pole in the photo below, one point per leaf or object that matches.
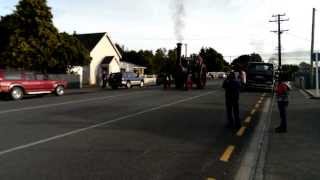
(230, 58)
(312, 48)
(278, 19)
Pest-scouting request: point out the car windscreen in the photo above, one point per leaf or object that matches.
(132, 75)
(261, 68)
(115, 75)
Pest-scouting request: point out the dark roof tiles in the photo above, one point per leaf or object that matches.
(90, 40)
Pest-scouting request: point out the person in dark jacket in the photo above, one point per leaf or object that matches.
(282, 91)
(104, 78)
(232, 89)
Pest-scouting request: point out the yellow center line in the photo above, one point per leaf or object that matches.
(241, 131)
(248, 119)
(227, 153)
(210, 178)
(253, 112)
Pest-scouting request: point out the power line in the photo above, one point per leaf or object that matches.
(300, 37)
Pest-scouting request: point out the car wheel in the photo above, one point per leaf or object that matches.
(128, 84)
(59, 91)
(16, 93)
(141, 84)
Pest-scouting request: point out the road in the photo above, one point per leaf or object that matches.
(134, 134)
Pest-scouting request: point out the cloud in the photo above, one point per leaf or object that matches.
(258, 45)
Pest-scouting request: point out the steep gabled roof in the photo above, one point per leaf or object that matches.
(90, 40)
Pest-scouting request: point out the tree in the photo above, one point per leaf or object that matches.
(243, 60)
(158, 61)
(120, 48)
(304, 67)
(289, 71)
(7, 25)
(33, 39)
(147, 60)
(163, 60)
(33, 43)
(70, 52)
(255, 57)
(213, 59)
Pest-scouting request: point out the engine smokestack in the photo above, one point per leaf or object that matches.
(179, 51)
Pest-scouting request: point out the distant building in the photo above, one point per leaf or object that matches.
(130, 67)
(105, 57)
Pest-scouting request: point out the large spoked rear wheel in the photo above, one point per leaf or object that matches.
(59, 91)
(16, 93)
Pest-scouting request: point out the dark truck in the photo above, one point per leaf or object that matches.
(125, 79)
(260, 76)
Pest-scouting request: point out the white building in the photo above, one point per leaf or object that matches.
(104, 54)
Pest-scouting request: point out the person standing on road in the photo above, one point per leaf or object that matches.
(282, 91)
(232, 89)
(243, 78)
(104, 78)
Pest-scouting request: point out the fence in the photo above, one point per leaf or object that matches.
(73, 80)
(302, 80)
(150, 79)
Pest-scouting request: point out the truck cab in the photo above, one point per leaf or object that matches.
(260, 76)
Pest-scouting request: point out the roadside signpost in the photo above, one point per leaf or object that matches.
(317, 74)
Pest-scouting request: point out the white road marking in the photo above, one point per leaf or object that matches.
(25, 146)
(65, 103)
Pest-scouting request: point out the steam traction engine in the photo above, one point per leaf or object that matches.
(189, 71)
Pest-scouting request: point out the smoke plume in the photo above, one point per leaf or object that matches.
(178, 18)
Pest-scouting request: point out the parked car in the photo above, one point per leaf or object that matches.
(125, 79)
(211, 75)
(222, 75)
(16, 84)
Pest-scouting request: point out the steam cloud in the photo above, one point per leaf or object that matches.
(179, 14)
(258, 45)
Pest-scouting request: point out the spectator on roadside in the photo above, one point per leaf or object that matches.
(232, 89)
(243, 78)
(104, 78)
(282, 91)
(166, 80)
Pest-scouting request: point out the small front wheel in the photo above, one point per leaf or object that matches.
(59, 91)
(16, 93)
(128, 84)
(141, 84)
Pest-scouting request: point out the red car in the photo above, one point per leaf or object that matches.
(19, 83)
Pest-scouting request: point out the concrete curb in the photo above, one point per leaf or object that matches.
(310, 94)
(252, 165)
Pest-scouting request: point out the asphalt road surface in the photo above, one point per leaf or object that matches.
(135, 134)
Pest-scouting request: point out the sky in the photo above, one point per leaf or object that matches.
(232, 27)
